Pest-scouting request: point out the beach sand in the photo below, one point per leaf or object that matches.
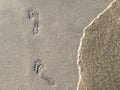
(99, 55)
(39, 40)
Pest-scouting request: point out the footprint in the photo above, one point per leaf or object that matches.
(32, 14)
(48, 79)
(38, 66)
(36, 27)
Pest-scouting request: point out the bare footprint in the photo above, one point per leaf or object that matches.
(32, 14)
(36, 27)
(38, 66)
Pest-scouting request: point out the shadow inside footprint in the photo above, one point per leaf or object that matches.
(36, 27)
(32, 14)
(38, 66)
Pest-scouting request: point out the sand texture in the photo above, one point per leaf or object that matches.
(39, 40)
(99, 55)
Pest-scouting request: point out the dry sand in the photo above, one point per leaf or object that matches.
(99, 55)
(39, 40)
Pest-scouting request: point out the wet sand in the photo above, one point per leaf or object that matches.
(99, 54)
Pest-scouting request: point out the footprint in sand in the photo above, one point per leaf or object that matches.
(38, 66)
(34, 15)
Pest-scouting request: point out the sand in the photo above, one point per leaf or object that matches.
(39, 40)
(99, 54)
